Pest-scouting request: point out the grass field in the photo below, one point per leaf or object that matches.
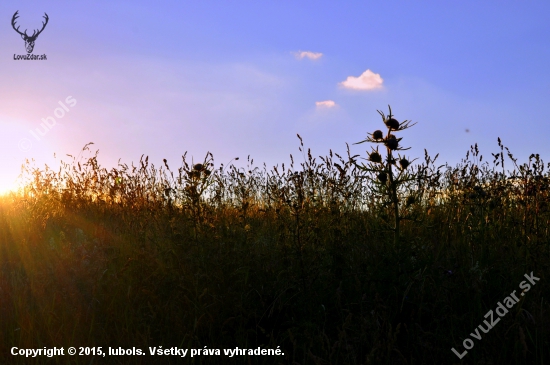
(326, 259)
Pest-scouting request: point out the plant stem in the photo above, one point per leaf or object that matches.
(393, 197)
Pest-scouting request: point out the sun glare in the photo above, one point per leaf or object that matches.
(6, 187)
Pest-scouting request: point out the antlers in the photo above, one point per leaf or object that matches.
(15, 16)
(34, 34)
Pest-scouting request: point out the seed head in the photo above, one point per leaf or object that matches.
(391, 142)
(375, 157)
(377, 135)
(404, 163)
(392, 124)
(198, 167)
(383, 177)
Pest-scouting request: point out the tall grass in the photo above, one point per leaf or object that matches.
(301, 256)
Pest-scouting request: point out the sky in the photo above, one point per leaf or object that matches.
(242, 78)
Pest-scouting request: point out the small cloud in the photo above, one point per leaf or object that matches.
(325, 104)
(367, 81)
(310, 55)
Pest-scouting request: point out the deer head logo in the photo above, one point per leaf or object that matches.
(29, 40)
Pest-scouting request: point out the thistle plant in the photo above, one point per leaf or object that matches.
(392, 171)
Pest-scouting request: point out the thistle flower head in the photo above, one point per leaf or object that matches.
(383, 177)
(375, 157)
(404, 163)
(198, 167)
(377, 135)
(392, 124)
(391, 142)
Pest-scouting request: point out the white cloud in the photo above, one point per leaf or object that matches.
(325, 104)
(308, 54)
(367, 81)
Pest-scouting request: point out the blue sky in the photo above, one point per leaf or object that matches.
(162, 78)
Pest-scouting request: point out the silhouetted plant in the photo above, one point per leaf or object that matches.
(392, 171)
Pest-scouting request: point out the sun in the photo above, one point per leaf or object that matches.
(6, 191)
(6, 187)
